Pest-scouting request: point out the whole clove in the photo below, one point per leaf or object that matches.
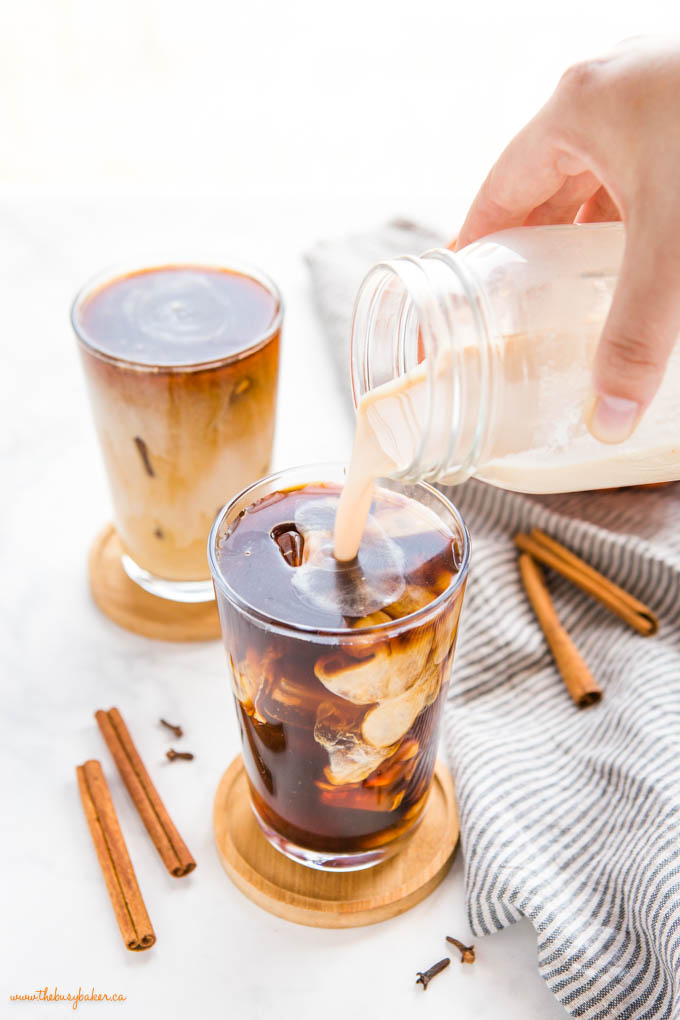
(467, 953)
(424, 977)
(183, 755)
(144, 454)
(241, 387)
(177, 730)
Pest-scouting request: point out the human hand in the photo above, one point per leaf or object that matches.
(606, 146)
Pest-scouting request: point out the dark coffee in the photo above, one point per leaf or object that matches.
(177, 315)
(339, 724)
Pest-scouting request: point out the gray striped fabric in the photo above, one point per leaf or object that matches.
(570, 818)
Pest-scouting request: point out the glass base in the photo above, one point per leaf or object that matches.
(321, 860)
(173, 591)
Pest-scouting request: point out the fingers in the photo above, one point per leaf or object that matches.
(639, 334)
(600, 208)
(553, 161)
(528, 174)
(563, 206)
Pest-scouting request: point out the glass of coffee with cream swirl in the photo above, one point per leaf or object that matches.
(181, 362)
(339, 669)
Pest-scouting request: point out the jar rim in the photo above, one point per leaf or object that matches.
(405, 319)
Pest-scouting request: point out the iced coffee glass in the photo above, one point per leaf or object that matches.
(339, 670)
(181, 363)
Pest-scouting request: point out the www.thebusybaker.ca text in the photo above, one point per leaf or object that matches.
(75, 998)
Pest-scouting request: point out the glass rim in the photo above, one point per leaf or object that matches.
(107, 275)
(282, 626)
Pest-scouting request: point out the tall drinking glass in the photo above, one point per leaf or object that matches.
(339, 671)
(181, 362)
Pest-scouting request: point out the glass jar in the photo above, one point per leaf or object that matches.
(480, 363)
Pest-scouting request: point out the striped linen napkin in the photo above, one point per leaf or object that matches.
(569, 818)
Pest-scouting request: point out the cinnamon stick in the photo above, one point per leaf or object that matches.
(114, 860)
(546, 550)
(578, 679)
(159, 825)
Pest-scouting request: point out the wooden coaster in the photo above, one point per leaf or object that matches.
(322, 899)
(135, 609)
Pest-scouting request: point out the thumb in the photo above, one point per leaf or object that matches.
(639, 334)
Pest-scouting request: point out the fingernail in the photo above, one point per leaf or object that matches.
(613, 418)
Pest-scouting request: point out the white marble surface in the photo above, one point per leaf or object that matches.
(306, 120)
(217, 954)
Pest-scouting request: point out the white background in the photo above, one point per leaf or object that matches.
(398, 105)
(253, 128)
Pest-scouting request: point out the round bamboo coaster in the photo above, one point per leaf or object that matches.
(325, 900)
(131, 607)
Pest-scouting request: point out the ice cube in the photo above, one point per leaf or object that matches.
(250, 674)
(404, 520)
(361, 682)
(317, 515)
(390, 670)
(415, 597)
(354, 589)
(350, 759)
(410, 654)
(441, 582)
(360, 798)
(372, 620)
(392, 718)
(435, 677)
(318, 549)
(363, 646)
(284, 699)
(398, 768)
(445, 629)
